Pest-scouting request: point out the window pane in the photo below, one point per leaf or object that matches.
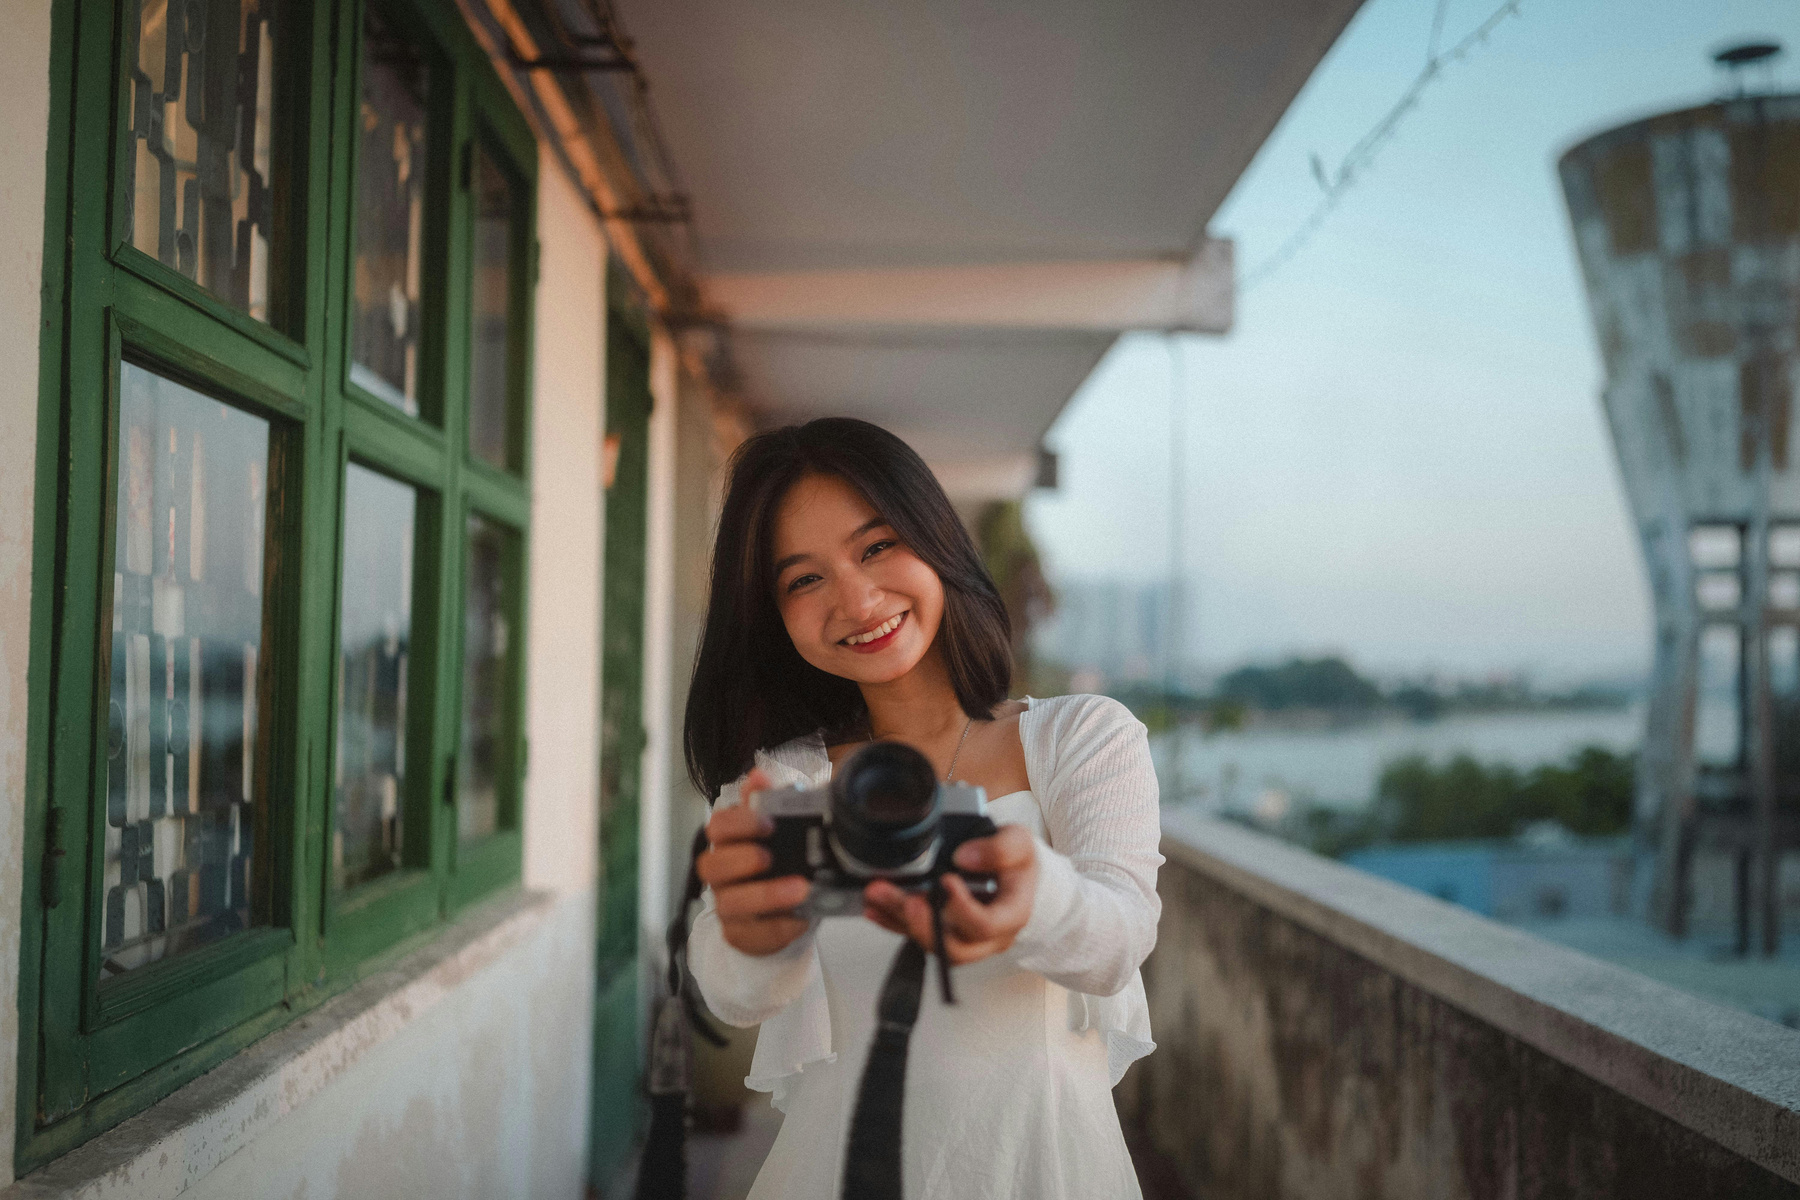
(184, 783)
(202, 99)
(482, 772)
(390, 216)
(375, 627)
(491, 428)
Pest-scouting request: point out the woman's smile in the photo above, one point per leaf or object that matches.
(878, 636)
(857, 601)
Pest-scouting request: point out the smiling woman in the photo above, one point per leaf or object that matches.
(849, 606)
(787, 560)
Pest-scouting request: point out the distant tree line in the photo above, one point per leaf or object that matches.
(1301, 683)
(1418, 801)
(1332, 686)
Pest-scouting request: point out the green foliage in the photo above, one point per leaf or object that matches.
(1225, 716)
(1011, 558)
(1416, 801)
(1328, 683)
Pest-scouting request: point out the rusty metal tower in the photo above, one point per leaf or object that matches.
(1687, 226)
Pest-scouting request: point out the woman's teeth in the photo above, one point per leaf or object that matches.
(880, 631)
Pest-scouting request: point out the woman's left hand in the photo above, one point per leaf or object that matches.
(972, 930)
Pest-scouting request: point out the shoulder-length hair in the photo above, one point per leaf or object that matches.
(751, 690)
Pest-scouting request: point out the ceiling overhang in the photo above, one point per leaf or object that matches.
(938, 214)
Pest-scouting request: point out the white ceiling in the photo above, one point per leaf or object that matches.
(855, 135)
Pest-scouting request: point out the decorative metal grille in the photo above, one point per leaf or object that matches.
(184, 792)
(202, 109)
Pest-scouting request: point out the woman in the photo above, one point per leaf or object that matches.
(847, 604)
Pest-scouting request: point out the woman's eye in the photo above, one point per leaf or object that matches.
(800, 581)
(877, 547)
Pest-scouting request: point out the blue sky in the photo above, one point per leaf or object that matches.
(1398, 453)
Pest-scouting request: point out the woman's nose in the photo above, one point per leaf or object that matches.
(858, 597)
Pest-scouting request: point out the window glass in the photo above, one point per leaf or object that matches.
(486, 690)
(184, 794)
(390, 216)
(202, 100)
(491, 425)
(375, 626)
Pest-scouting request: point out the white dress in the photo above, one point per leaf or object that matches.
(1008, 1092)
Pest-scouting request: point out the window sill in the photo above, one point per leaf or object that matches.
(176, 1142)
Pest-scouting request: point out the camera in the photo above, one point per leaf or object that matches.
(884, 815)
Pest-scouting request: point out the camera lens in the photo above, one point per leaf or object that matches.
(884, 805)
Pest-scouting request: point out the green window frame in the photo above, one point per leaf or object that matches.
(266, 334)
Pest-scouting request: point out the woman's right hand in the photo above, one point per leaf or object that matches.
(757, 915)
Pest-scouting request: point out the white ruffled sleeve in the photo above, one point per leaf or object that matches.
(784, 992)
(1093, 919)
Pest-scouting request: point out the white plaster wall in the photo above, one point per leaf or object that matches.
(25, 101)
(483, 1096)
(562, 710)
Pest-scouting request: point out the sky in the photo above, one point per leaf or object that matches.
(1398, 453)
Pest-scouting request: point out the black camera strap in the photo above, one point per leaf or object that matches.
(872, 1158)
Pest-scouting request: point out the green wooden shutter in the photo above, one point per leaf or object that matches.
(615, 1108)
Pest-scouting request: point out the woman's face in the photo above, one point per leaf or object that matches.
(856, 600)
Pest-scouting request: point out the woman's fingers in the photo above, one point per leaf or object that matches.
(763, 935)
(738, 823)
(972, 930)
(1009, 850)
(756, 781)
(762, 897)
(731, 862)
(756, 915)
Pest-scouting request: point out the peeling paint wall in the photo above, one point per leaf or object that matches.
(25, 99)
(562, 708)
(1290, 1066)
(484, 1096)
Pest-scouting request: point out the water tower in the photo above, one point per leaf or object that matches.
(1688, 230)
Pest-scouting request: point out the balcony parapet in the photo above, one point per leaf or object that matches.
(1326, 1033)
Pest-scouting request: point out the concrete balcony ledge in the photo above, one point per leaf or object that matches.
(1349, 1036)
(177, 1142)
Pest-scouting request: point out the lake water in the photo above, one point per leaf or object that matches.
(1266, 771)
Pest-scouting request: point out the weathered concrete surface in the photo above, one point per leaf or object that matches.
(1310, 1055)
(460, 1072)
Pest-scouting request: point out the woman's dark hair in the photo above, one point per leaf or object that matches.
(751, 690)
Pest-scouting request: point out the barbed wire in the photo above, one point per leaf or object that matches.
(1361, 156)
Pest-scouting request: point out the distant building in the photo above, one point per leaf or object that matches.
(1687, 225)
(1115, 629)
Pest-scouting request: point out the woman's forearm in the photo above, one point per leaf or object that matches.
(1092, 925)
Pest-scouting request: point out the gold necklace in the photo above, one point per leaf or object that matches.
(951, 773)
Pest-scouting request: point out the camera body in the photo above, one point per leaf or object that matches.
(884, 815)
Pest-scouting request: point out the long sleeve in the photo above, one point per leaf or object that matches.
(745, 989)
(1093, 918)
